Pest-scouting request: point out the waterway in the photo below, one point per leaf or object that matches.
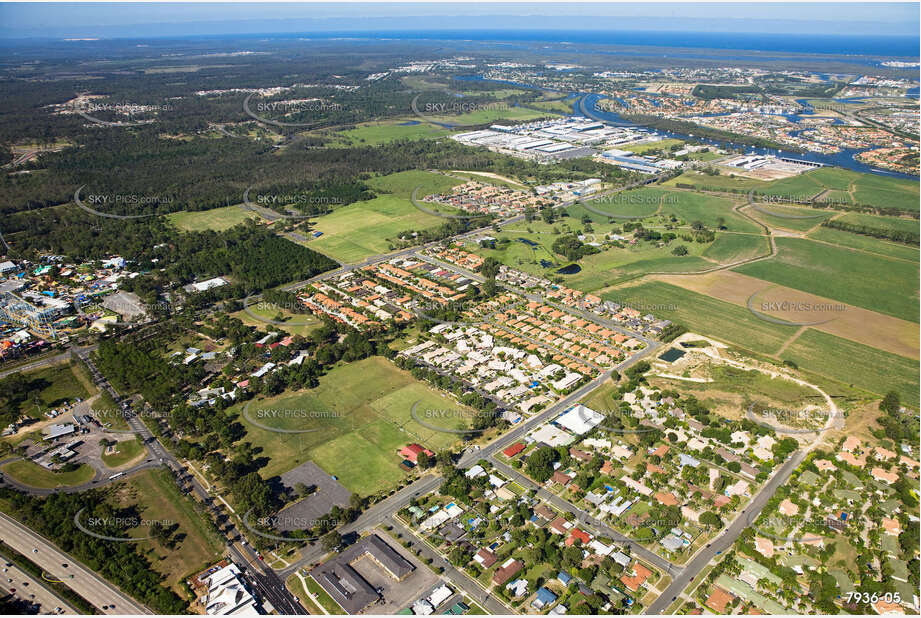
(585, 105)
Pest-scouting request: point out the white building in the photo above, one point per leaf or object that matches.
(580, 420)
(228, 594)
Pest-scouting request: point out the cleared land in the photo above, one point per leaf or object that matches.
(723, 182)
(216, 219)
(815, 217)
(374, 133)
(51, 387)
(360, 414)
(876, 283)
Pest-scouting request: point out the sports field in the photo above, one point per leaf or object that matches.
(216, 219)
(363, 229)
(873, 282)
(359, 417)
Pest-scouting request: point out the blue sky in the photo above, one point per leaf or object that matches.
(109, 19)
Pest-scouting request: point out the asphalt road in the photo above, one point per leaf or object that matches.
(725, 540)
(43, 599)
(84, 582)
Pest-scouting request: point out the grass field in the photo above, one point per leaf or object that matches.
(157, 498)
(484, 116)
(34, 475)
(51, 387)
(374, 133)
(216, 219)
(598, 270)
(128, 451)
(815, 216)
(294, 323)
(889, 223)
(362, 229)
(865, 243)
(856, 364)
(323, 597)
(108, 412)
(296, 587)
(852, 187)
(361, 414)
(705, 315)
(876, 283)
(730, 248)
(710, 210)
(643, 148)
(723, 182)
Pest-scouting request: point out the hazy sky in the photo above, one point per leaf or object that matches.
(110, 19)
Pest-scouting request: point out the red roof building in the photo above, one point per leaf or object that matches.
(580, 535)
(412, 452)
(513, 449)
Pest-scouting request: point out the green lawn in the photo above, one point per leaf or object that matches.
(128, 450)
(361, 414)
(876, 283)
(34, 475)
(216, 219)
(853, 363)
(323, 597)
(663, 144)
(363, 229)
(705, 315)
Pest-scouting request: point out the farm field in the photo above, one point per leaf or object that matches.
(856, 364)
(359, 417)
(363, 229)
(867, 327)
(702, 314)
(34, 475)
(876, 283)
(154, 494)
(216, 219)
(865, 243)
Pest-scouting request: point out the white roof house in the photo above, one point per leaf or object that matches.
(228, 594)
(580, 420)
